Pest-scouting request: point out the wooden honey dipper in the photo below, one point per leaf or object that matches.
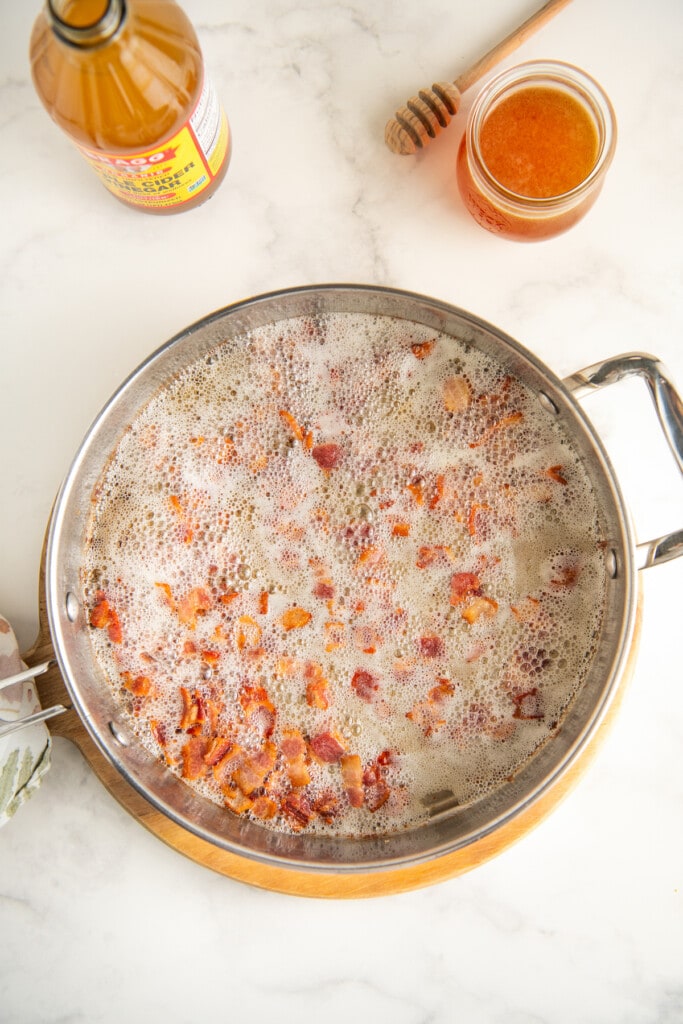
(426, 114)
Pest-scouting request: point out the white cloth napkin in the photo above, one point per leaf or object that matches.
(25, 755)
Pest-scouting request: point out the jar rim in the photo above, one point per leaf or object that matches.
(546, 73)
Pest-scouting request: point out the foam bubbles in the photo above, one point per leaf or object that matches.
(350, 467)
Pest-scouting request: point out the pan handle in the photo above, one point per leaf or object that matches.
(669, 407)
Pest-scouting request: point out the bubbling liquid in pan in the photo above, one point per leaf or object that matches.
(338, 566)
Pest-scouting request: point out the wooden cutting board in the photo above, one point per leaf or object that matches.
(286, 880)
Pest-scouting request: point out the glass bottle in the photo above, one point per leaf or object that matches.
(125, 80)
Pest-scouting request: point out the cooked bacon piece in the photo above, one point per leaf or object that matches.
(377, 795)
(196, 602)
(463, 585)
(263, 602)
(295, 618)
(386, 758)
(365, 684)
(352, 779)
(485, 606)
(158, 732)
(372, 555)
(103, 616)
(328, 456)
(325, 591)
(427, 714)
(247, 633)
(216, 750)
(231, 760)
(555, 473)
(168, 596)
(263, 807)
(401, 530)
(193, 753)
(259, 711)
(236, 800)
(327, 806)
(421, 349)
(457, 394)
(297, 808)
(293, 747)
(296, 429)
(528, 705)
(140, 686)
(255, 767)
(326, 747)
(502, 424)
(317, 693)
(193, 709)
(431, 646)
(416, 489)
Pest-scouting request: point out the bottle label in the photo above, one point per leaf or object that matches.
(179, 170)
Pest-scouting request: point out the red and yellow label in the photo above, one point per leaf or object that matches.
(175, 172)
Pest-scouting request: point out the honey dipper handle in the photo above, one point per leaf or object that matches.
(424, 116)
(506, 46)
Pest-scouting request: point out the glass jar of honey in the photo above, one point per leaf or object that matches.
(538, 142)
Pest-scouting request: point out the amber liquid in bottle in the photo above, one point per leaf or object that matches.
(124, 79)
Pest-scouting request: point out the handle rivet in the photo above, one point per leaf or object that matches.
(72, 606)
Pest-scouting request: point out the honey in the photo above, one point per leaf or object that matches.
(125, 80)
(537, 145)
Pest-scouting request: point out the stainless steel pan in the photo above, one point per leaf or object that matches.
(449, 830)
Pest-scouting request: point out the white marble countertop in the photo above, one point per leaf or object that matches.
(583, 919)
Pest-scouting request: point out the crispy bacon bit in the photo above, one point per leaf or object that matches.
(259, 712)
(216, 750)
(386, 758)
(401, 530)
(236, 800)
(103, 616)
(528, 705)
(193, 753)
(297, 808)
(196, 602)
(463, 585)
(365, 684)
(431, 646)
(485, 606)
(328, 456)
(292, 424)
(439, 491)
(295, 618)
(231, 760)
(158, 732)
(325, 591)
(457, 394)
(294, 751)
(327, 806)
(555, 473)
(263, 602)
(251, 773)
(352, 779)
(317, 694)
(247, 633)
(422, 349)
(377, 795)
(229, 597)
(502, 424)
(168, 596)
(140, 686)
(326, 747)
(416, 489)
(193, 709)
(263, 807)
(370, 556)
